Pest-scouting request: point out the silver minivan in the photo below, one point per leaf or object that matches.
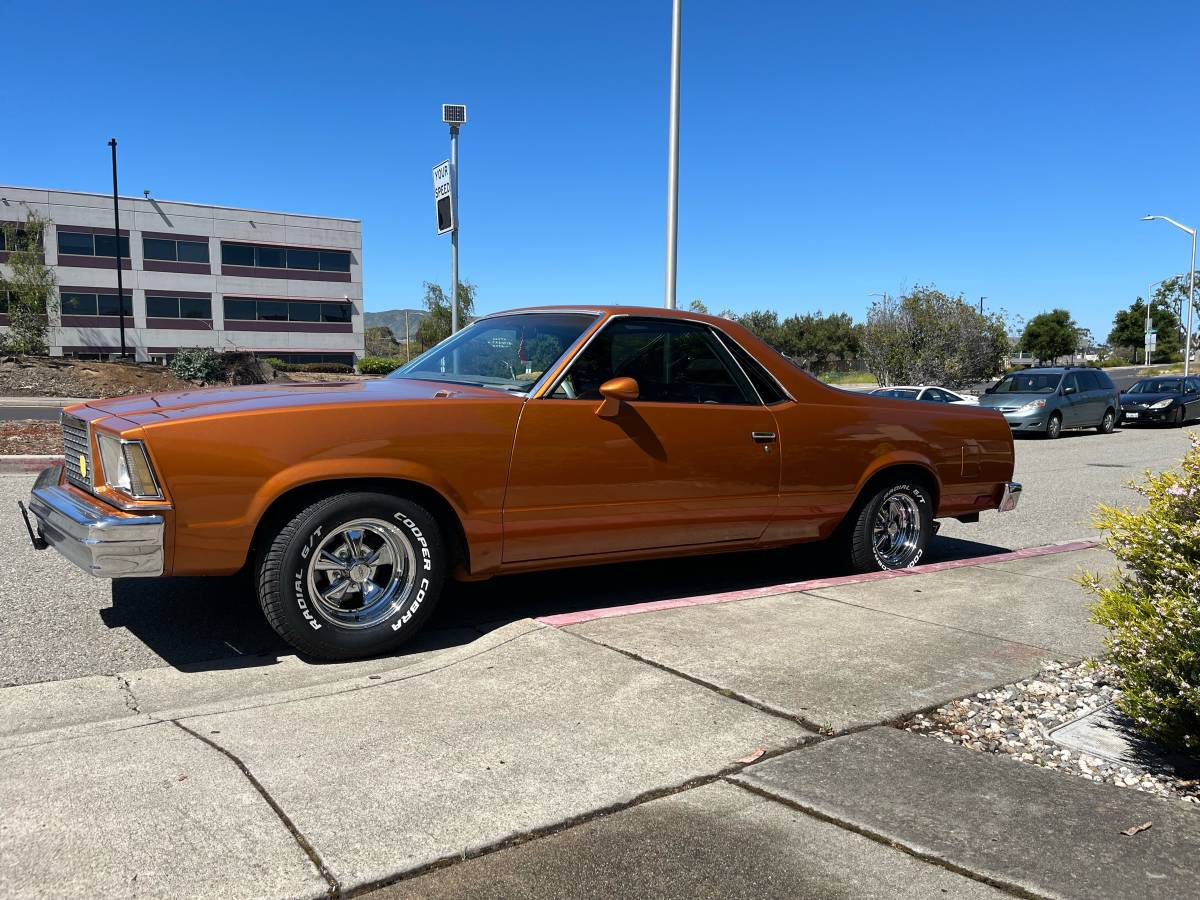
(1045, 401)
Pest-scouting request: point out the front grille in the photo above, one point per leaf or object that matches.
(77, 452)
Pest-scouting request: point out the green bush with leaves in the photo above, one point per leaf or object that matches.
(1152, 606)
(276, 363)
(198, 364)
(378, 365)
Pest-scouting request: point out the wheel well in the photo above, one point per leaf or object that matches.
(291, 502)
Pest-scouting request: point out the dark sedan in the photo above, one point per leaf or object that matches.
(1165, 400)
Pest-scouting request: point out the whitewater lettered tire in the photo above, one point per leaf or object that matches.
(353, 575)
(891, 530)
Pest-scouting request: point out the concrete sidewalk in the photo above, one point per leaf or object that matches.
(668, 752)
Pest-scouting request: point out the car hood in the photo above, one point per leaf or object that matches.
(146, 409)
(1147, 399)
(1011, 399)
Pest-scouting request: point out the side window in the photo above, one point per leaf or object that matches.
(767, 388)
(1192, 386)
(1071, 383)
(672, 362)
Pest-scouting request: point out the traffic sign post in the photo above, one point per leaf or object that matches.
(454, 115)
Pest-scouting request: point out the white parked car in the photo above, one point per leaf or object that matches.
(928, 393)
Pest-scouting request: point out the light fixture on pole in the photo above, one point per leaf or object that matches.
(1187, 351)
(454, 115)
(673, 157)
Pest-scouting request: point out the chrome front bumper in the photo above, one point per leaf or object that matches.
(1010, 497)
(101, 540)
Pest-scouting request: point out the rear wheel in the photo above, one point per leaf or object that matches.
(353, 575)
(1108, 422)
(892, 529)
(1054, 426)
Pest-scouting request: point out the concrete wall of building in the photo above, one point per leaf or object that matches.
(141, 215)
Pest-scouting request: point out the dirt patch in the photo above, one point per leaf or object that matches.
(30, 437)
(25, 376)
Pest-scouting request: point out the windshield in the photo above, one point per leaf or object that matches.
(1157, 386)
(509, 353)
(898, 393)
(1028, 383)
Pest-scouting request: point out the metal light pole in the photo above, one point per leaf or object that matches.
(1187, 351)
(981, 299)
(117, 237)
(673, 158)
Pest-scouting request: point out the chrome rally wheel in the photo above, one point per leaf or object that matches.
(896, 535)
(362, 573)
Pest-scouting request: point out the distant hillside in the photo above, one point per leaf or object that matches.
(394, 319)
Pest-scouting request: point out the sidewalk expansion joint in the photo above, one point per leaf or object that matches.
(335, 889)
(1007, 887)
(816, 594)
(573, 822)
(716, 688)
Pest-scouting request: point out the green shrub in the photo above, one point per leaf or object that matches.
(379, 365)
(1109, 361)
(331, 368)
(198, 364)
(1152, 607)
(276, 363)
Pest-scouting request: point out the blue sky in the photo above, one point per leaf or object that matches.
(828, 150)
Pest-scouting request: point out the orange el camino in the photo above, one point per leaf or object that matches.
(531, 439)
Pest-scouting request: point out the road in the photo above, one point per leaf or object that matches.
(59, 623)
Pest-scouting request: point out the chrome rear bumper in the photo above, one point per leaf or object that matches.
(101, 540)
(1010, 497)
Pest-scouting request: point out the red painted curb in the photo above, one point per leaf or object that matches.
(588, 615)
(27, 465)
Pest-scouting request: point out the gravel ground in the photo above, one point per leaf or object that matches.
(1018, 718)
(30, 436)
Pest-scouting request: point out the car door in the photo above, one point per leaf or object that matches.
(693, 460)
(1191, 397)
(1074, 401)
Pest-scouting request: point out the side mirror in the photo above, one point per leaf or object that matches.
(990, 389)
(1067, 391)
(614, 391)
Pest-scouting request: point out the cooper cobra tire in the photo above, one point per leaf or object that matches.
(352, 575)
(1054, 427)
(892, 529)
(1108, 423)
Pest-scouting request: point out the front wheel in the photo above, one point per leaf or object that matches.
(352, 575)
(1108, 422)
(892, 529)
(1054, 427)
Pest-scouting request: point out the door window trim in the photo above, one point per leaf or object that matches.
(755, 399)
(724, 338)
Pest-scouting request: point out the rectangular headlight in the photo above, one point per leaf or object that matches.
(127, 468)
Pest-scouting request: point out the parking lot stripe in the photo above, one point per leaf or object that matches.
(561, 620)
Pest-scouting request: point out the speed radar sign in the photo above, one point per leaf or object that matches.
(443, 197)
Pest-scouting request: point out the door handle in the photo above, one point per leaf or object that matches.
(763, 437)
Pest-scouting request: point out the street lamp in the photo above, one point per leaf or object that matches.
(1187, 351)
(454, 115)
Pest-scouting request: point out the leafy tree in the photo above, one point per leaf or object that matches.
(1129, 326)
(435, 326)
(697, 306)
(928, 337)
(29, 288)
(1050, 335)
(380, 342)
(818, 342)
(763, 324)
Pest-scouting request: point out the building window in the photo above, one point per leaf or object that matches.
(175, 251)
(343, 358)
(267, 257)
(248, 310)
(75, 304)
(178, 307)
(74, 243)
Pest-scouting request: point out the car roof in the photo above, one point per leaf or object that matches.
(598, 310)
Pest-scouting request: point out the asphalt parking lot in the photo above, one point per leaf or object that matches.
(60, 623)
